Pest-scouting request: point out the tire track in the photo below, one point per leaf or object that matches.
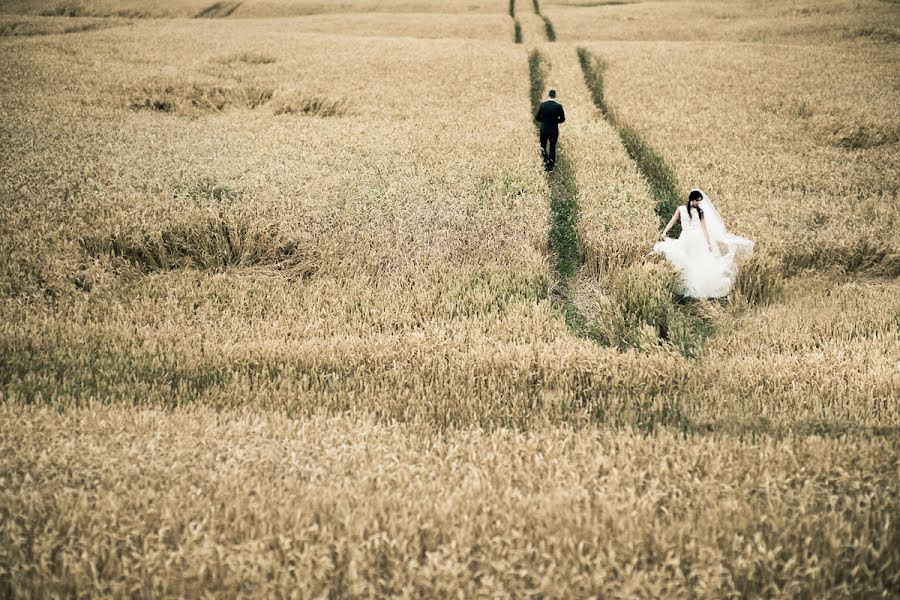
(517, 27)
(601, 219)
(531, 27)
(618, 298)
(683, 324)
(659, 176)
(549, 31)
(562, 239)
(218, 10)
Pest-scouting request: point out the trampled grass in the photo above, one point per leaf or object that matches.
(27, 25)
(106, 8)
(281, 312)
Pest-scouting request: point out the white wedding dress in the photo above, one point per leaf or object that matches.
(704, 274)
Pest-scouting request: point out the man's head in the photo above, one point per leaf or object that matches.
(552, 94)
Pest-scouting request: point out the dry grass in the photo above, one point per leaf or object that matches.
(209, 240)
(822, 343)
(265, 352)
(218, 10)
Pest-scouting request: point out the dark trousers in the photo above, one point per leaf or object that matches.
(549, 155)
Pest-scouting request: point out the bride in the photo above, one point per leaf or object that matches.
(705, 254)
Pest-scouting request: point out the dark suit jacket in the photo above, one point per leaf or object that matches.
(550, 114)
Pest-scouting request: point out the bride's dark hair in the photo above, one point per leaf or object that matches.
(694, 195)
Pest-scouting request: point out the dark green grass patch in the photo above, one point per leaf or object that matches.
(564, 217)
(538, 69)
(548, 29)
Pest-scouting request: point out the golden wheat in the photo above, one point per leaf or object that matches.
(800, 22)
(150, 503)
(107, 8)
(780, 164)
(438, 8)
(279, 316)
(616, 223)
(25, 25)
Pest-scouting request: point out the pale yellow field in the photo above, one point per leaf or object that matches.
(439, 8)
(493, 26)
(809, 164)
(282, 313)
(800, 22)
(26, 25)
(105, 8)
(138, 501)
(245, 8)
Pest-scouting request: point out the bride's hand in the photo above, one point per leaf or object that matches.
(662, 237)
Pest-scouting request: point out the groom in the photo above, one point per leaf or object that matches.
(549, 114)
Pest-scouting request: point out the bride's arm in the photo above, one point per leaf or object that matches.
(669, 226)
(706, 234)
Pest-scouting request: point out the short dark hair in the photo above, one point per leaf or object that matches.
(552, 93)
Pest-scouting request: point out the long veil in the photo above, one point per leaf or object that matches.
(735, 244)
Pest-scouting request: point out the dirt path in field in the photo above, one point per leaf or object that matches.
(549, 32)
(530, 26)
(517, 26)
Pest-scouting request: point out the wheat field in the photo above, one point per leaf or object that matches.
(290, 307)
